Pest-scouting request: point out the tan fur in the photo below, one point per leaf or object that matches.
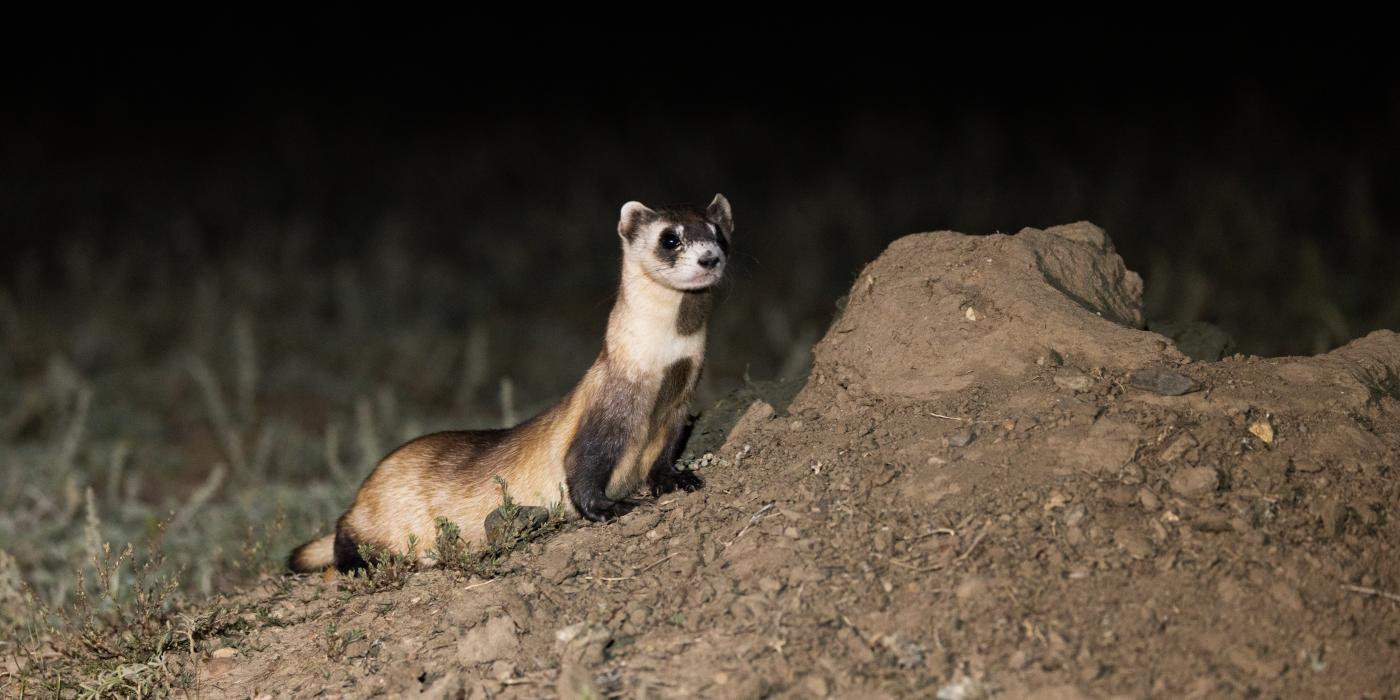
(314, 555)
(419, 483)
(453, 475)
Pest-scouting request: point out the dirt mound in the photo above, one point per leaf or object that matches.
(994, 483)
(939, 312)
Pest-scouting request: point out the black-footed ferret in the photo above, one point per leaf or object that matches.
(621, 425)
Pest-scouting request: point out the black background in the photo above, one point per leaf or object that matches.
(1252, 174)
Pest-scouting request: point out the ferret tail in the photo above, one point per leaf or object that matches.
(313, 556)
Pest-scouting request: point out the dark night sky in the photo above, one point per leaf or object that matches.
(350, 64)
(113, 123)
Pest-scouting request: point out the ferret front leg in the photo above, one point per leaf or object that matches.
(664, 477)
(598, 448)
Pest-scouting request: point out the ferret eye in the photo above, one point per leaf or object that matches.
(670, 241)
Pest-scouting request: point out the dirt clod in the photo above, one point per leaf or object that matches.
(491, 640)
(1148, 499)
(1263, 429)
(1162, 381)
(1178, 447)
(960, 438)
(1073, 381)
(523, 520)
(1134, 543)
(1194, 482)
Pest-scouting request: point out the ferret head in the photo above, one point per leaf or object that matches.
(683, 248)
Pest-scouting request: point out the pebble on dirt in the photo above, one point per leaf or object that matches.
(1162, 381)
(1195, 482)
(961, 438)
(1073, 381)
(1264, 430)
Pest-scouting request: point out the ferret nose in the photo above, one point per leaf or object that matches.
(708, 261)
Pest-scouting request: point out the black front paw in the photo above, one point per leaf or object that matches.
(667, 480)
(604, 509)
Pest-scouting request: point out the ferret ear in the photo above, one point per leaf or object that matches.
(719, 214)
(634, 216)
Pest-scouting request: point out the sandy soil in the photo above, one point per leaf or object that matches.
(992, 484)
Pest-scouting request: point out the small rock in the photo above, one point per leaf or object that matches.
(1211, 521)
(1264, 430)
(502, 670)
(963, 688)
(971, 314)
(1148, 500)
(1073, 381)
(639, 614)
(1130, 475)
(1287, 596)
(567, 634)
(1119, 495)
(1074, 515)
(1178, 447)
(1019, 660)
(1195, 481)
(491, 640)
(1159, 531)
(1162, 381)
(906, 654)
(960, 438)
(1132, 542)
(224, 653)
(557, 565)
(1050, 358)
(583, 643)
(816, 686)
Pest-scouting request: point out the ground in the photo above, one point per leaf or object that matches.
(992, 483)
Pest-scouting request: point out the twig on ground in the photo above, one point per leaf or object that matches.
(936, 531)
(752, 521)
(975, 541)
(639, 572)
(1371, 592)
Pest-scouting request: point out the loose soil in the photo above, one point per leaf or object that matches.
(992, 484)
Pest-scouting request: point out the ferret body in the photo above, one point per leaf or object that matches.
(619, 427)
